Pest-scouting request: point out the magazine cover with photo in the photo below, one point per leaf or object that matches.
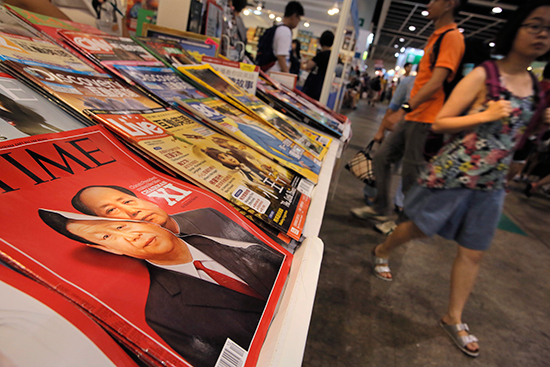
(50, 26)
(307, 100)
(223, 87)
(222, 116)
(196, 44)
(106, 50)
(167, 267)
(303, 110)
(183, 145)
(11, 23)
(39, 327)
(24, 112)
(33, 51)
(169, 52)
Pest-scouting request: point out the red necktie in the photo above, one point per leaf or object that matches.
(227, 281)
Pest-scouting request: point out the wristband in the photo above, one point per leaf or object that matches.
(406, 107)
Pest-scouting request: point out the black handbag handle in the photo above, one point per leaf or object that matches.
(368, 148)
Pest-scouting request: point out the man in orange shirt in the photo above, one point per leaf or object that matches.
(427, 98)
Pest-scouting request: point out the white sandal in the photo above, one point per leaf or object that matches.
(380, 265)
(460, 341)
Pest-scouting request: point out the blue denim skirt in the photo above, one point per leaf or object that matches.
(470, 217)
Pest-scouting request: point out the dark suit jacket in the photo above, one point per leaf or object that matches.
(210, 222)
(195, 317)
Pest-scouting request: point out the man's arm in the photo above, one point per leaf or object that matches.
(43, 7)
(281, 59)
(433, 85)
(308, 65)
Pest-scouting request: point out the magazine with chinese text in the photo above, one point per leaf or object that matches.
(167, 268)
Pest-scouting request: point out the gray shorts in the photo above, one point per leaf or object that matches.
(470, 217)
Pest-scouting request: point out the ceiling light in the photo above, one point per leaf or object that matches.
(396, 46)
(461, 30)
(397, 67)
(491, 44)
(271, 16)
(497, 10)
(412, 28)
(257, 12)
(335, 9)
(246, 12)
(395, 79)
(259, 7)
(425, 13)
(402, 49)
(396, 54)
(401, 39)
(278, 19)
(306, 24)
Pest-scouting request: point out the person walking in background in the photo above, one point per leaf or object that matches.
(401, 95)
(461, 192)
(407, 141)
(275, 44)
(295, 57)
(317, 67)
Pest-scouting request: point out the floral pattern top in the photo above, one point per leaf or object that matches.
(479, 158)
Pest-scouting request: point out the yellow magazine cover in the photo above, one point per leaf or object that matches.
(209, 78)
(262, 137)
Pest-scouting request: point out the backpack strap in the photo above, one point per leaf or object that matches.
(436, 47)
(492, 80)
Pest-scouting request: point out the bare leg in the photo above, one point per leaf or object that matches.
(543, 181)
(404, 233)
(463, 276)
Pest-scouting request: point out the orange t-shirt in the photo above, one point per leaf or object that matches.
(450, 55)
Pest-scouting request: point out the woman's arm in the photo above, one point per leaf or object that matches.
(449, 119)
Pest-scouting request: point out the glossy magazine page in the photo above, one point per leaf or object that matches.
(169, 52)
(24, 112)
(169, 268)
(223, 116)
(305, 111)
(207, 77)
(108, 50)
(33, 51)
(39, 327)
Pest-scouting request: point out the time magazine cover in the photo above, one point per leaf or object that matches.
(39, 327)
(166, 267)
(222, 116)
(209, 78)
(24, 112)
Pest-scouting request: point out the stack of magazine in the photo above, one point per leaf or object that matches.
(183, 265)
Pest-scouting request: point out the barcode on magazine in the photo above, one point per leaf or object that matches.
(232, 355)
(305, 187)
